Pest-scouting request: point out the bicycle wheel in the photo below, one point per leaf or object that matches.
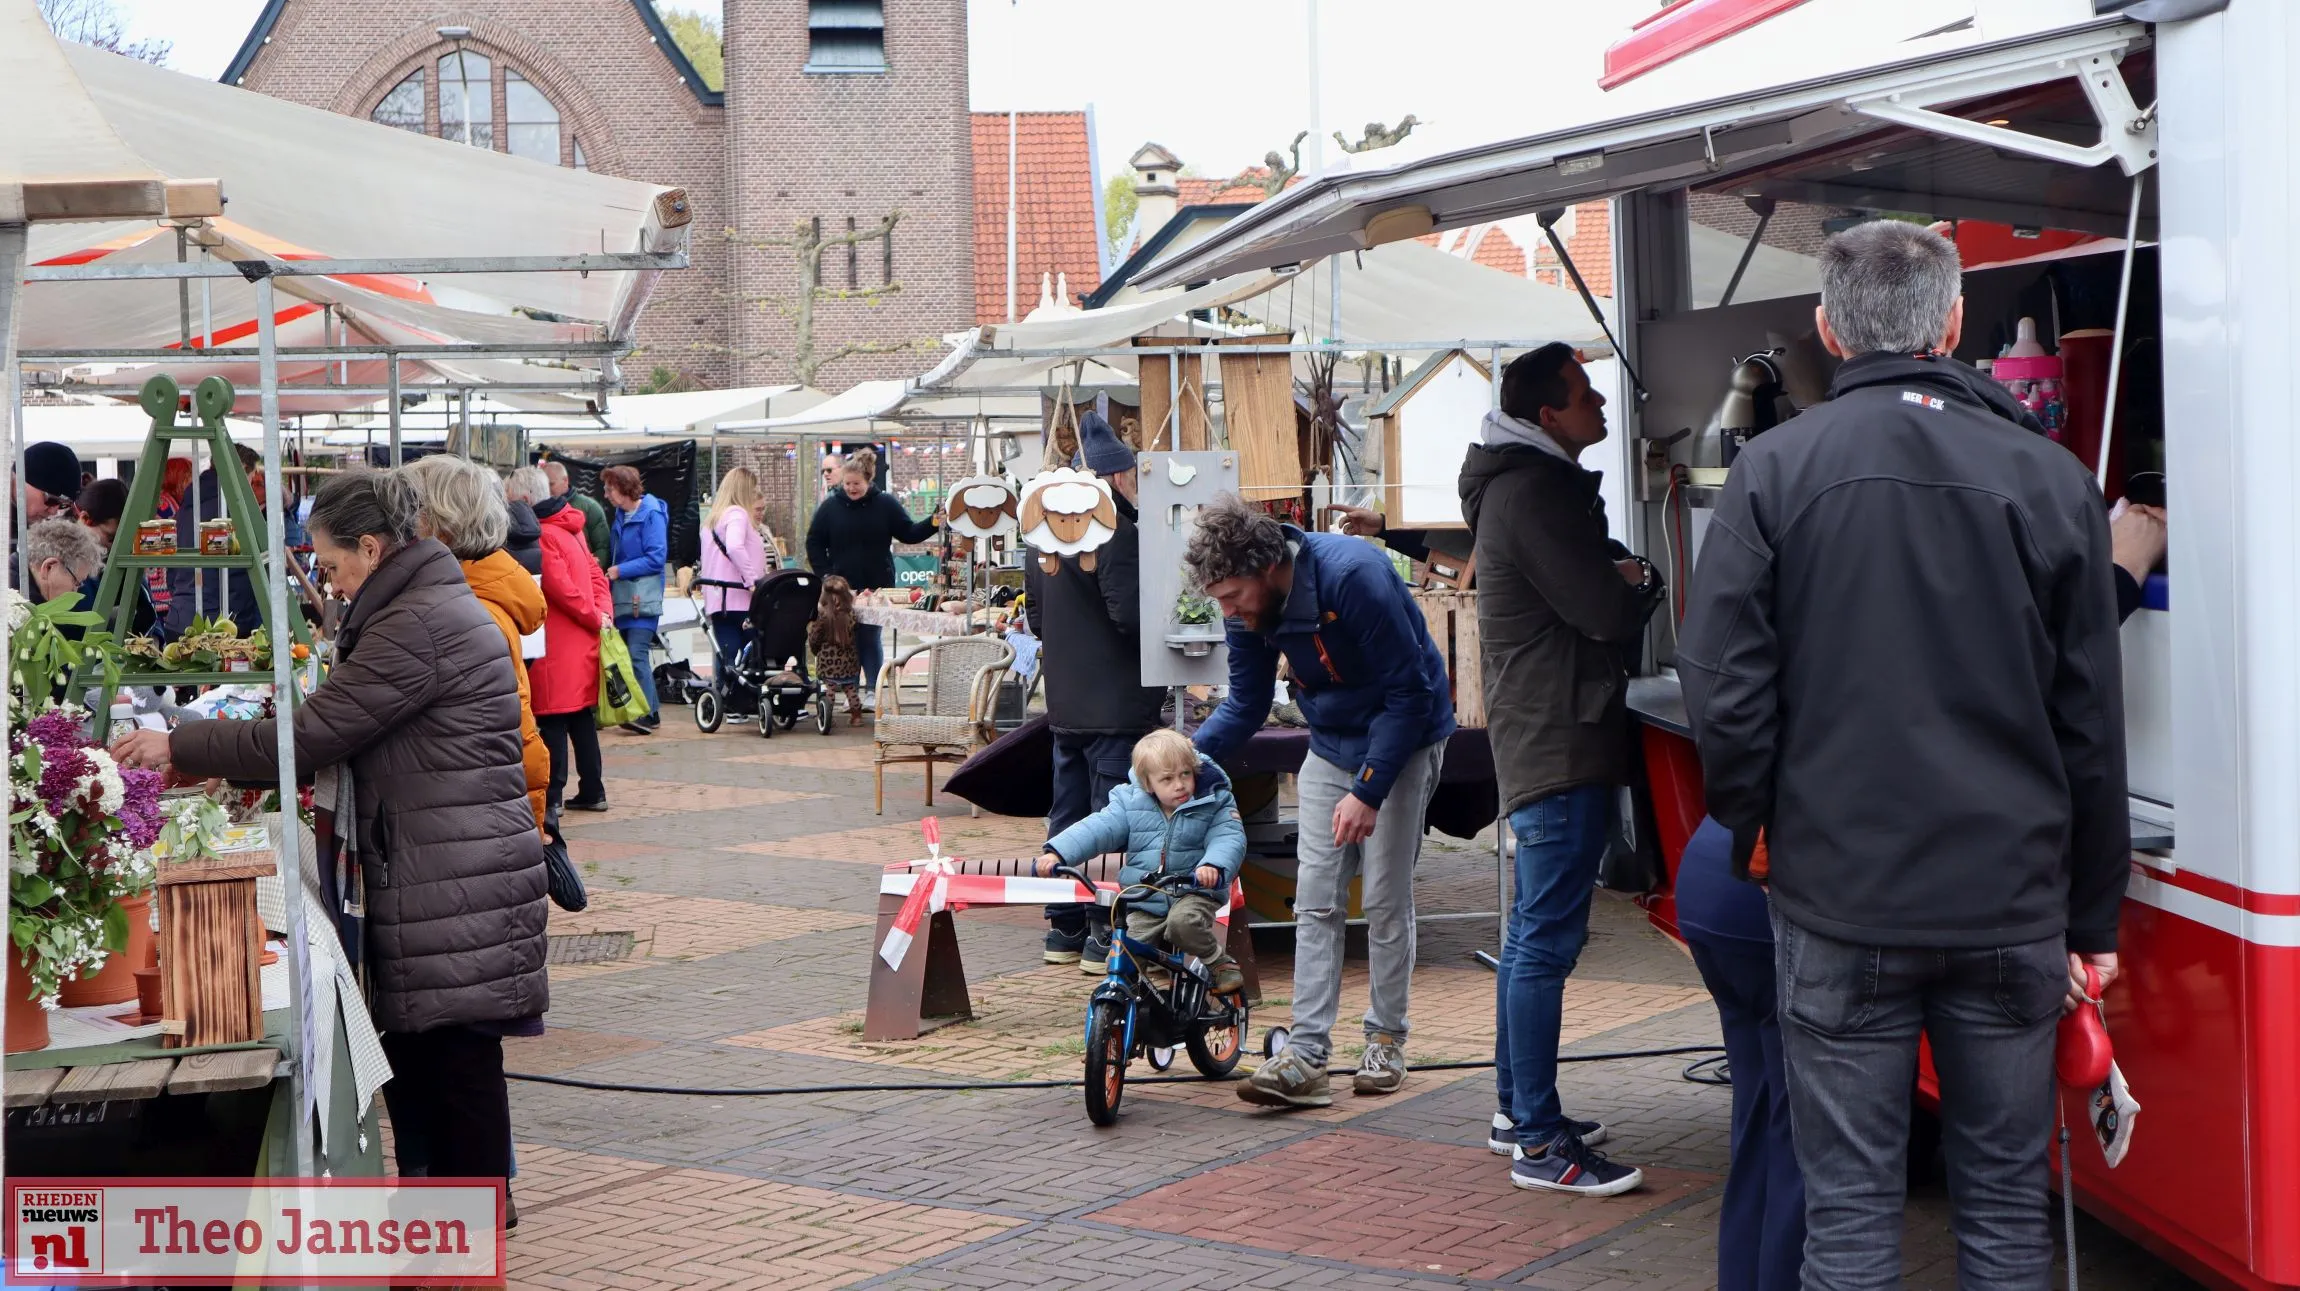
(709, 712)
(1214, 1049)
(1105, 1060)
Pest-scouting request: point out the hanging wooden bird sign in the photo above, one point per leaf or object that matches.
(981, 507)
(1067, 513)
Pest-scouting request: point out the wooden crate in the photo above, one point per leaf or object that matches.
(211, 986)
(1452, 620)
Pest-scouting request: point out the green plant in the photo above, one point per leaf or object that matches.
(1193, 610)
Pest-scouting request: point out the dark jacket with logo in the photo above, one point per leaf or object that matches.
(423, 704)
(1091, 623)
(1900, 658)
(855, 540)
(1368, 679)
(1558, 626)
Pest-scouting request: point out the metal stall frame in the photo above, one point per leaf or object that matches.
(267, 354)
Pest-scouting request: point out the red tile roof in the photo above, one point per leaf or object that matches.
(1058, 219)
(1495, 250)
(1590, 245)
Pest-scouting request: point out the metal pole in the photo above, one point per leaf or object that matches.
(2116, 347)
(22, 523)
(183, 295)
(12, 240)
(287, 845)
(391, 363)
(1010, 205)
(1749, 252)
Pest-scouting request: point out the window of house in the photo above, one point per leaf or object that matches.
(466, 99)
(532, 122)
(403, 107)
(846, 36)
(465, 88)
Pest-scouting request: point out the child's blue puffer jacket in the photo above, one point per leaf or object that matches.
(1204, 831)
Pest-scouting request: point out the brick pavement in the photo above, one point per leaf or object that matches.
(744, 870)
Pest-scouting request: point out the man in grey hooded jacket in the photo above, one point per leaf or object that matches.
(1561, 612)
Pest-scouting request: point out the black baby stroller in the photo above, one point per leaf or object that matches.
(769, 678)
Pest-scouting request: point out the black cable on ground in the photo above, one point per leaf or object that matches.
(970, 1086)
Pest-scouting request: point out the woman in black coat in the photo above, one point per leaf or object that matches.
(853, 536)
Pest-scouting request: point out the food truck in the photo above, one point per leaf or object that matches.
(2120, 174)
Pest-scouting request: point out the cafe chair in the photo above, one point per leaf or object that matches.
(956, 718)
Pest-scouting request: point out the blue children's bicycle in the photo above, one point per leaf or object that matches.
(1129, 1014)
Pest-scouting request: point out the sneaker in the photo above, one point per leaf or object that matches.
(1094, 954)
(1229, 979)
(586, 804)
(1382, 1070)
(1063, 947)
(1502, 1137)
(1566, 1165)
(1288, 1080)
(638, 728)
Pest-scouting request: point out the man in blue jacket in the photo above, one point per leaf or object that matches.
(1372, 686)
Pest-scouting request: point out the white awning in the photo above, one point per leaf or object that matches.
(1674, 147)
(59, 158)
(698, 411)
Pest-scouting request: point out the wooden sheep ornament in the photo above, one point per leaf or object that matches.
(980, 508)
(1067, 513)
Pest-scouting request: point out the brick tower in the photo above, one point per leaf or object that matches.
(846, 112)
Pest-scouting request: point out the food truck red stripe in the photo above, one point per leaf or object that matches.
(2269, 903)
(1673, 33)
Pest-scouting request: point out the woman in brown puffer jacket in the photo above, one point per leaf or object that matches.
(421, 708)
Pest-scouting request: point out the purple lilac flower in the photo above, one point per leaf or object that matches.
(56, 728)
(60, 774)
(140, 806)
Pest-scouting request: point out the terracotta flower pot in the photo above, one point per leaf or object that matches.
(27, 1021)
(148, 999)
(115, 982)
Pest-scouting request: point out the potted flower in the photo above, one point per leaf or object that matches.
(80, 827)
(1197, 625)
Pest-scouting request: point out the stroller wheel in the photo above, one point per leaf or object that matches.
(710, 711)
(823, 711)
(766, 715)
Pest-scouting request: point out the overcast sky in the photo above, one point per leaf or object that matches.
(1220, 82)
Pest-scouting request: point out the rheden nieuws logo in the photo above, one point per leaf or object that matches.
(240, 1232)
(56, 1231)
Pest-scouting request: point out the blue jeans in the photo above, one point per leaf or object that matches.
(1761, 1230)
(1086, 768)
(1560, 840)
(641, 642)
(1851, 1016)
(870, 650)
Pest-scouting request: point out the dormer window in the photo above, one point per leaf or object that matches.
(846, 36)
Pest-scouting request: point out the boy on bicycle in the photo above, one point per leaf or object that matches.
(1174, 815)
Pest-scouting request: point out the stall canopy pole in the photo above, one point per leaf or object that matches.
(286, 845)
(392, 363)
(12, 238)
(183, 292)
(2116, 349)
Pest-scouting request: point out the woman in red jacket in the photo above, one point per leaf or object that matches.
(565, 680)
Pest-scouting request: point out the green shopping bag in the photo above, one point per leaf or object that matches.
(620, 699)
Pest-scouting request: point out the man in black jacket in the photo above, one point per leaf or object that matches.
(1901, 664)
(1561, 612)
(1091, 623)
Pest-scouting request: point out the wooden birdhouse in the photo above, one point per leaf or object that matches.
(1426, 426)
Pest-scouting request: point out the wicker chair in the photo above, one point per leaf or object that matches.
(961, 696)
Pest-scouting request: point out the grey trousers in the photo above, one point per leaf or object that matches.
(1322, 900)
(1187, 926)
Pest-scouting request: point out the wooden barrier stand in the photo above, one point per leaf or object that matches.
(929, 990)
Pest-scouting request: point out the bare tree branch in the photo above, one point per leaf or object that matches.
(97, 23)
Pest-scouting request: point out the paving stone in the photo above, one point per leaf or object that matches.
(1389, 1203)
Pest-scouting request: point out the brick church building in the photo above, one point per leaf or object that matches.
(841, 112)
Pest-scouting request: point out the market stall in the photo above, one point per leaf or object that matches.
(352, 208)
(2147, 165)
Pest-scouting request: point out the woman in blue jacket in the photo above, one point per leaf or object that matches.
(639, 532)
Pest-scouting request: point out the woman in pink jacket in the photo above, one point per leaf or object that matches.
(734, 556)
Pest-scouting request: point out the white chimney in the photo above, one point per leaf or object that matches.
(1157, 192)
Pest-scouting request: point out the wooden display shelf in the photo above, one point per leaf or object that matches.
(141, 1078)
